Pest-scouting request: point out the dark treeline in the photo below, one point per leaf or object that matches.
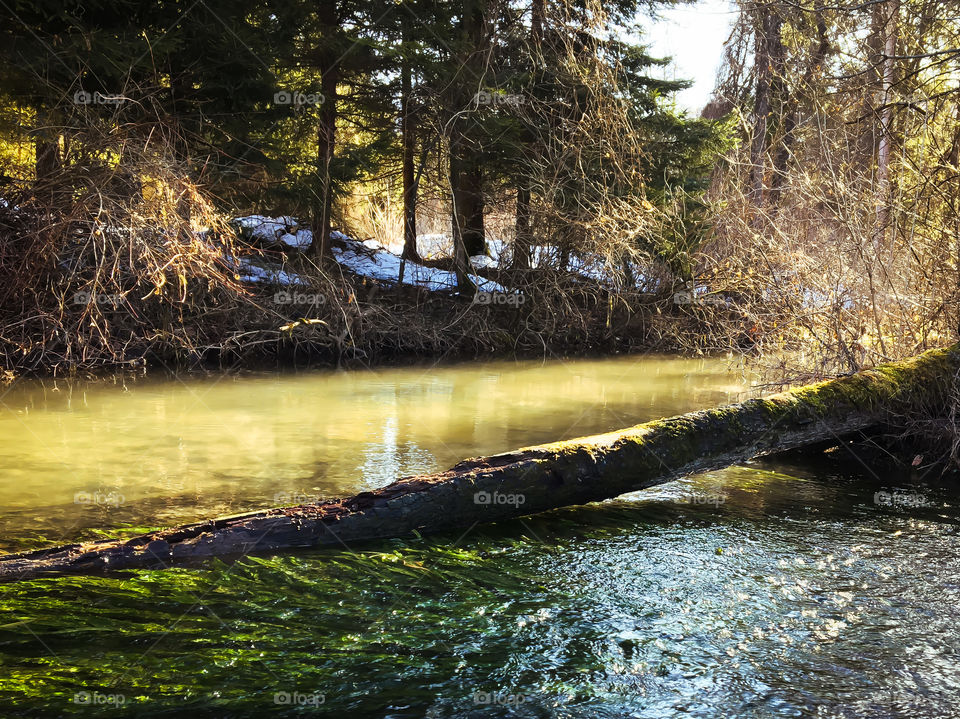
(136, 125)
(285, 107)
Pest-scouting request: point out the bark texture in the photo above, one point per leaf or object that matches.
(546, 476)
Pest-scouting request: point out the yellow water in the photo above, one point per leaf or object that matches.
(75, 456)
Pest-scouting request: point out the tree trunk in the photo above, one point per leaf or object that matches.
(466, 176)
(47, 160)
(47, 165)
(537, 15)
(474, 236)
(792, 118)
(409, 159)
(767, 35)
(535, 479)
(459, 207)
(521, 240)
(326, 141)
(892, 10)
(409, 178)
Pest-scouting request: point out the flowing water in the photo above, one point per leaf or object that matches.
(818, 588)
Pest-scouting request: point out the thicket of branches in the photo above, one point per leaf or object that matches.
(131, 135)
(837, 214)
(810, 215)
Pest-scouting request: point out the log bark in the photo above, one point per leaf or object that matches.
(534, 479)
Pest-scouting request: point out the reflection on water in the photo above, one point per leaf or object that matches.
(784, 588)
(81, 455)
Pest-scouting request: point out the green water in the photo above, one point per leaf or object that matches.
(762, 591)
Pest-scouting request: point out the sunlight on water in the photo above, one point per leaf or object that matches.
(77, 454)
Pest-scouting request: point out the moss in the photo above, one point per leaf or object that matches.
(908, 381)
(928, 372)
(904, 381)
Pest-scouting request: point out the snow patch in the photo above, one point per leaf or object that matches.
(385, 266)
(366, 259)
(274, 229)
(435, 245)
(300, 241)
(481, 261)
(265, 273)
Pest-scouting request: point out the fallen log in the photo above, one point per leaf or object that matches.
(534, 479)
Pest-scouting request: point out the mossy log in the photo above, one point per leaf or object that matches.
(534, 479)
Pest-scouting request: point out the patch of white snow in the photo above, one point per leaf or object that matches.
(385, 266)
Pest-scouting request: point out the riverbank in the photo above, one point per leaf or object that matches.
(90, 296)
(249, 295)
(396, 328)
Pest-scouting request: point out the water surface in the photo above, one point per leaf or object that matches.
(80, 456)
(787, 589)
